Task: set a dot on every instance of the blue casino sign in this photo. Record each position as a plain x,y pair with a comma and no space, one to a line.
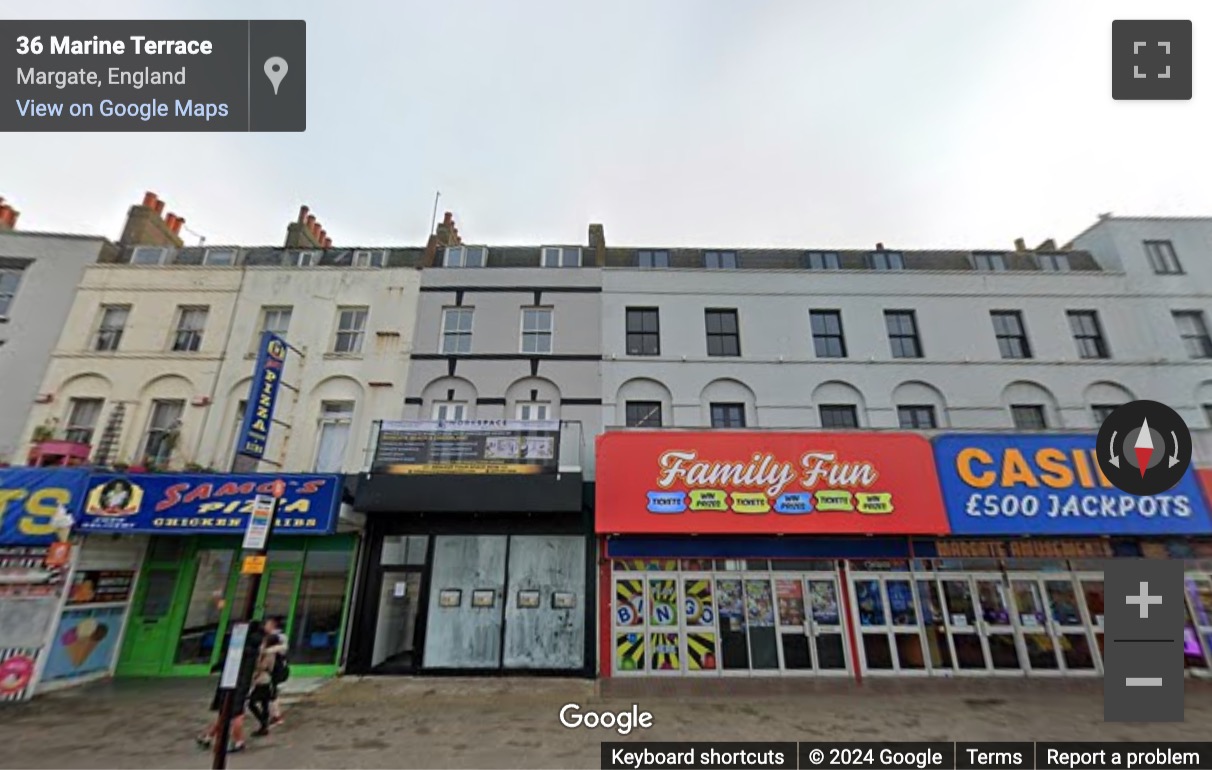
1015,484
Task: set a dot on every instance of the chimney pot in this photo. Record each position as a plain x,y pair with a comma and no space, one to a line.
303,213
322,235
12,218
149,200
310,220
159,206
1020,244
180,222
170,219
879,247
328,243
448,219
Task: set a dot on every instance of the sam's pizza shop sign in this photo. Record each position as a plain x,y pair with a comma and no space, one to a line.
207,504
1003,484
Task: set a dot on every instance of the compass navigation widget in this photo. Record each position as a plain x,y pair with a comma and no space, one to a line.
1144,448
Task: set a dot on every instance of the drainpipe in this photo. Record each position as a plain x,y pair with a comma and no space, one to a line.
214,385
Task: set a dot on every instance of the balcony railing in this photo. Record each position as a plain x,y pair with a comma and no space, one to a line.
61,449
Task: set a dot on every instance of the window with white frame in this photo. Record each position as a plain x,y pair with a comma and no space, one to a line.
989,261
163,428
1162,257
336,420
351,328
274,319
561,256
219,257
82,417
887,260
449,411
191,322
464,256
529,411
1054,263
111,327
456,329
302,258
9,281
366,258
536,329
148,255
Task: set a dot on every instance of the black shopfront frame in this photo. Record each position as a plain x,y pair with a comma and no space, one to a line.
382,523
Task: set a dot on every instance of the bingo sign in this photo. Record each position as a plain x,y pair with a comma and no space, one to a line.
1005,484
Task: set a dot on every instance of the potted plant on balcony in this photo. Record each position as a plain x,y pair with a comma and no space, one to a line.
45,431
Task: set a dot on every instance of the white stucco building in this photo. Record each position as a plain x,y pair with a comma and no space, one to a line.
155,359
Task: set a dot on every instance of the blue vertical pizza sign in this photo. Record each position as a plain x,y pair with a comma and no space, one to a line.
258,415
1041,484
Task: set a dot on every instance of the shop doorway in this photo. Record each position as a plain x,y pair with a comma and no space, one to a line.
190,587
703,617
1053,627
889,623
400,594
149,633
969,625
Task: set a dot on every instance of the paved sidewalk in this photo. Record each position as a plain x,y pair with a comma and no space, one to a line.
483,723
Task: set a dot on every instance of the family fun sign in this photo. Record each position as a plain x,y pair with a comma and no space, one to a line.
663,482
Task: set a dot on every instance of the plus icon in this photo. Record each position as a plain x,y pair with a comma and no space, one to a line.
1144,599
1151,59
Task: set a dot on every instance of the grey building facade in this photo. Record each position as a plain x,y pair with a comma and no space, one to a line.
501,563
39,273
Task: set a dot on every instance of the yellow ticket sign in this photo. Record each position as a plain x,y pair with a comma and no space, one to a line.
708,500
834,500
253,565
874,502
750,502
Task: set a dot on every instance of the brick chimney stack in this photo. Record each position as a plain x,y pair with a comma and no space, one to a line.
148,225
597,244
306,232
8,216
447,234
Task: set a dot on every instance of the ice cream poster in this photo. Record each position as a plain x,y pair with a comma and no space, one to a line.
85,643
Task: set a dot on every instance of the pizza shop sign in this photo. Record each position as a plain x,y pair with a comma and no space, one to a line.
766,482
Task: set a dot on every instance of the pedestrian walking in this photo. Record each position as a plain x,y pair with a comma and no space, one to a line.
279,646
254,641
262,683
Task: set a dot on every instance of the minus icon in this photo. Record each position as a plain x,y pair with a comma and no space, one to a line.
1143,681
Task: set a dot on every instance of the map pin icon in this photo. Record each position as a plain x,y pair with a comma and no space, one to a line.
275,70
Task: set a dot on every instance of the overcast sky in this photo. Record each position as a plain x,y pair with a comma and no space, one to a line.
805,123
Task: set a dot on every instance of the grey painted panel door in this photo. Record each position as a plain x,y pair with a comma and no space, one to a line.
466,635
545,636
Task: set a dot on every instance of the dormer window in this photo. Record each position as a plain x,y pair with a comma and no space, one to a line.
822,260
561,256
1054,263
464,256
219,257
377,258
887,260
652,258
720,260
990,262
148,255
302,258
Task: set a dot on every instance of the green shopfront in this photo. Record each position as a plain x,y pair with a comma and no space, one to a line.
192,581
